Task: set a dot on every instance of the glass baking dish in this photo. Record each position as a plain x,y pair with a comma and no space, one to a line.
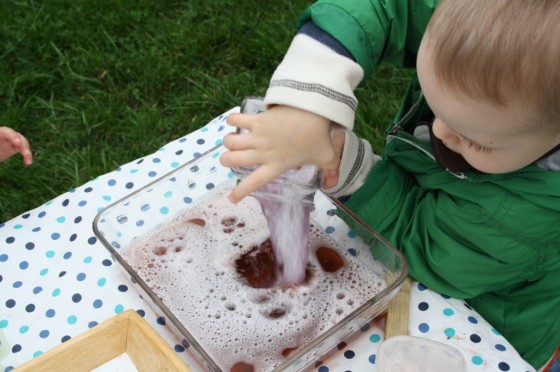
179,233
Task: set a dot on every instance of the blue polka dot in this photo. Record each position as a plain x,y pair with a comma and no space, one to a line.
17,284
448,312
476,360
3,257
97,303
152,174
140,223
503,366
67,255
209,186
352,234
44,333
88,189
72,319
423,327
187,200
50,313
36,229
129,185
23,265
473,320
179,348
92,324
55,236
200,141
372,358
92,240
37,290
42,214
10,240
475,338
500,347
330,229
82,203
111,182
80,277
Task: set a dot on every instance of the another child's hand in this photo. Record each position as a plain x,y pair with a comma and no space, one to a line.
11,143
279,139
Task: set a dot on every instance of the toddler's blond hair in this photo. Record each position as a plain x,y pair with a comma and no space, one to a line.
504,51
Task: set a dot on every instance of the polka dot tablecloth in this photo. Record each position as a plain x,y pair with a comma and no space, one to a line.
57,280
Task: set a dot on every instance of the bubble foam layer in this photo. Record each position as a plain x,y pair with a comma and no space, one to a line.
192,263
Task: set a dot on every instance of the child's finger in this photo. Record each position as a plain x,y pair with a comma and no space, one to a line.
243,121
24,149
254,181
243,158
237,141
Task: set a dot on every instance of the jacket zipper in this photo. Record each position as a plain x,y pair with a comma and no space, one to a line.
392,134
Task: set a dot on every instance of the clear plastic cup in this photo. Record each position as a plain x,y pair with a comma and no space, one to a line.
416,354
291,186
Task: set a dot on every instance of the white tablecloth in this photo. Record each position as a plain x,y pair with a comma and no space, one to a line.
57,280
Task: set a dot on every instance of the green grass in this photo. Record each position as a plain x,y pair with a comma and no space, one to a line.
95,84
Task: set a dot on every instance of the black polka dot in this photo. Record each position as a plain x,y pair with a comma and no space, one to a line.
10,303
30,308
475,338
78,219
65,202
106,262
92,240
123,288
65,338
29,246
88,189
61,274
161,320
16,348
76,297
423,306
503,366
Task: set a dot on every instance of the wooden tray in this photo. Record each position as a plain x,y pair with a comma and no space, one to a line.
127,333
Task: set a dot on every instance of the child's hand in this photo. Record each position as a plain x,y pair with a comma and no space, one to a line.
279,139
11,143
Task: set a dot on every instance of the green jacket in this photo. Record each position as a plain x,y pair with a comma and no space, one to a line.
493,240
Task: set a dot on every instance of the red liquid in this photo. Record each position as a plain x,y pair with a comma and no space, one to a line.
242,367
329,259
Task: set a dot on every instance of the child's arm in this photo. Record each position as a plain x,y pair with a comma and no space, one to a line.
11,143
